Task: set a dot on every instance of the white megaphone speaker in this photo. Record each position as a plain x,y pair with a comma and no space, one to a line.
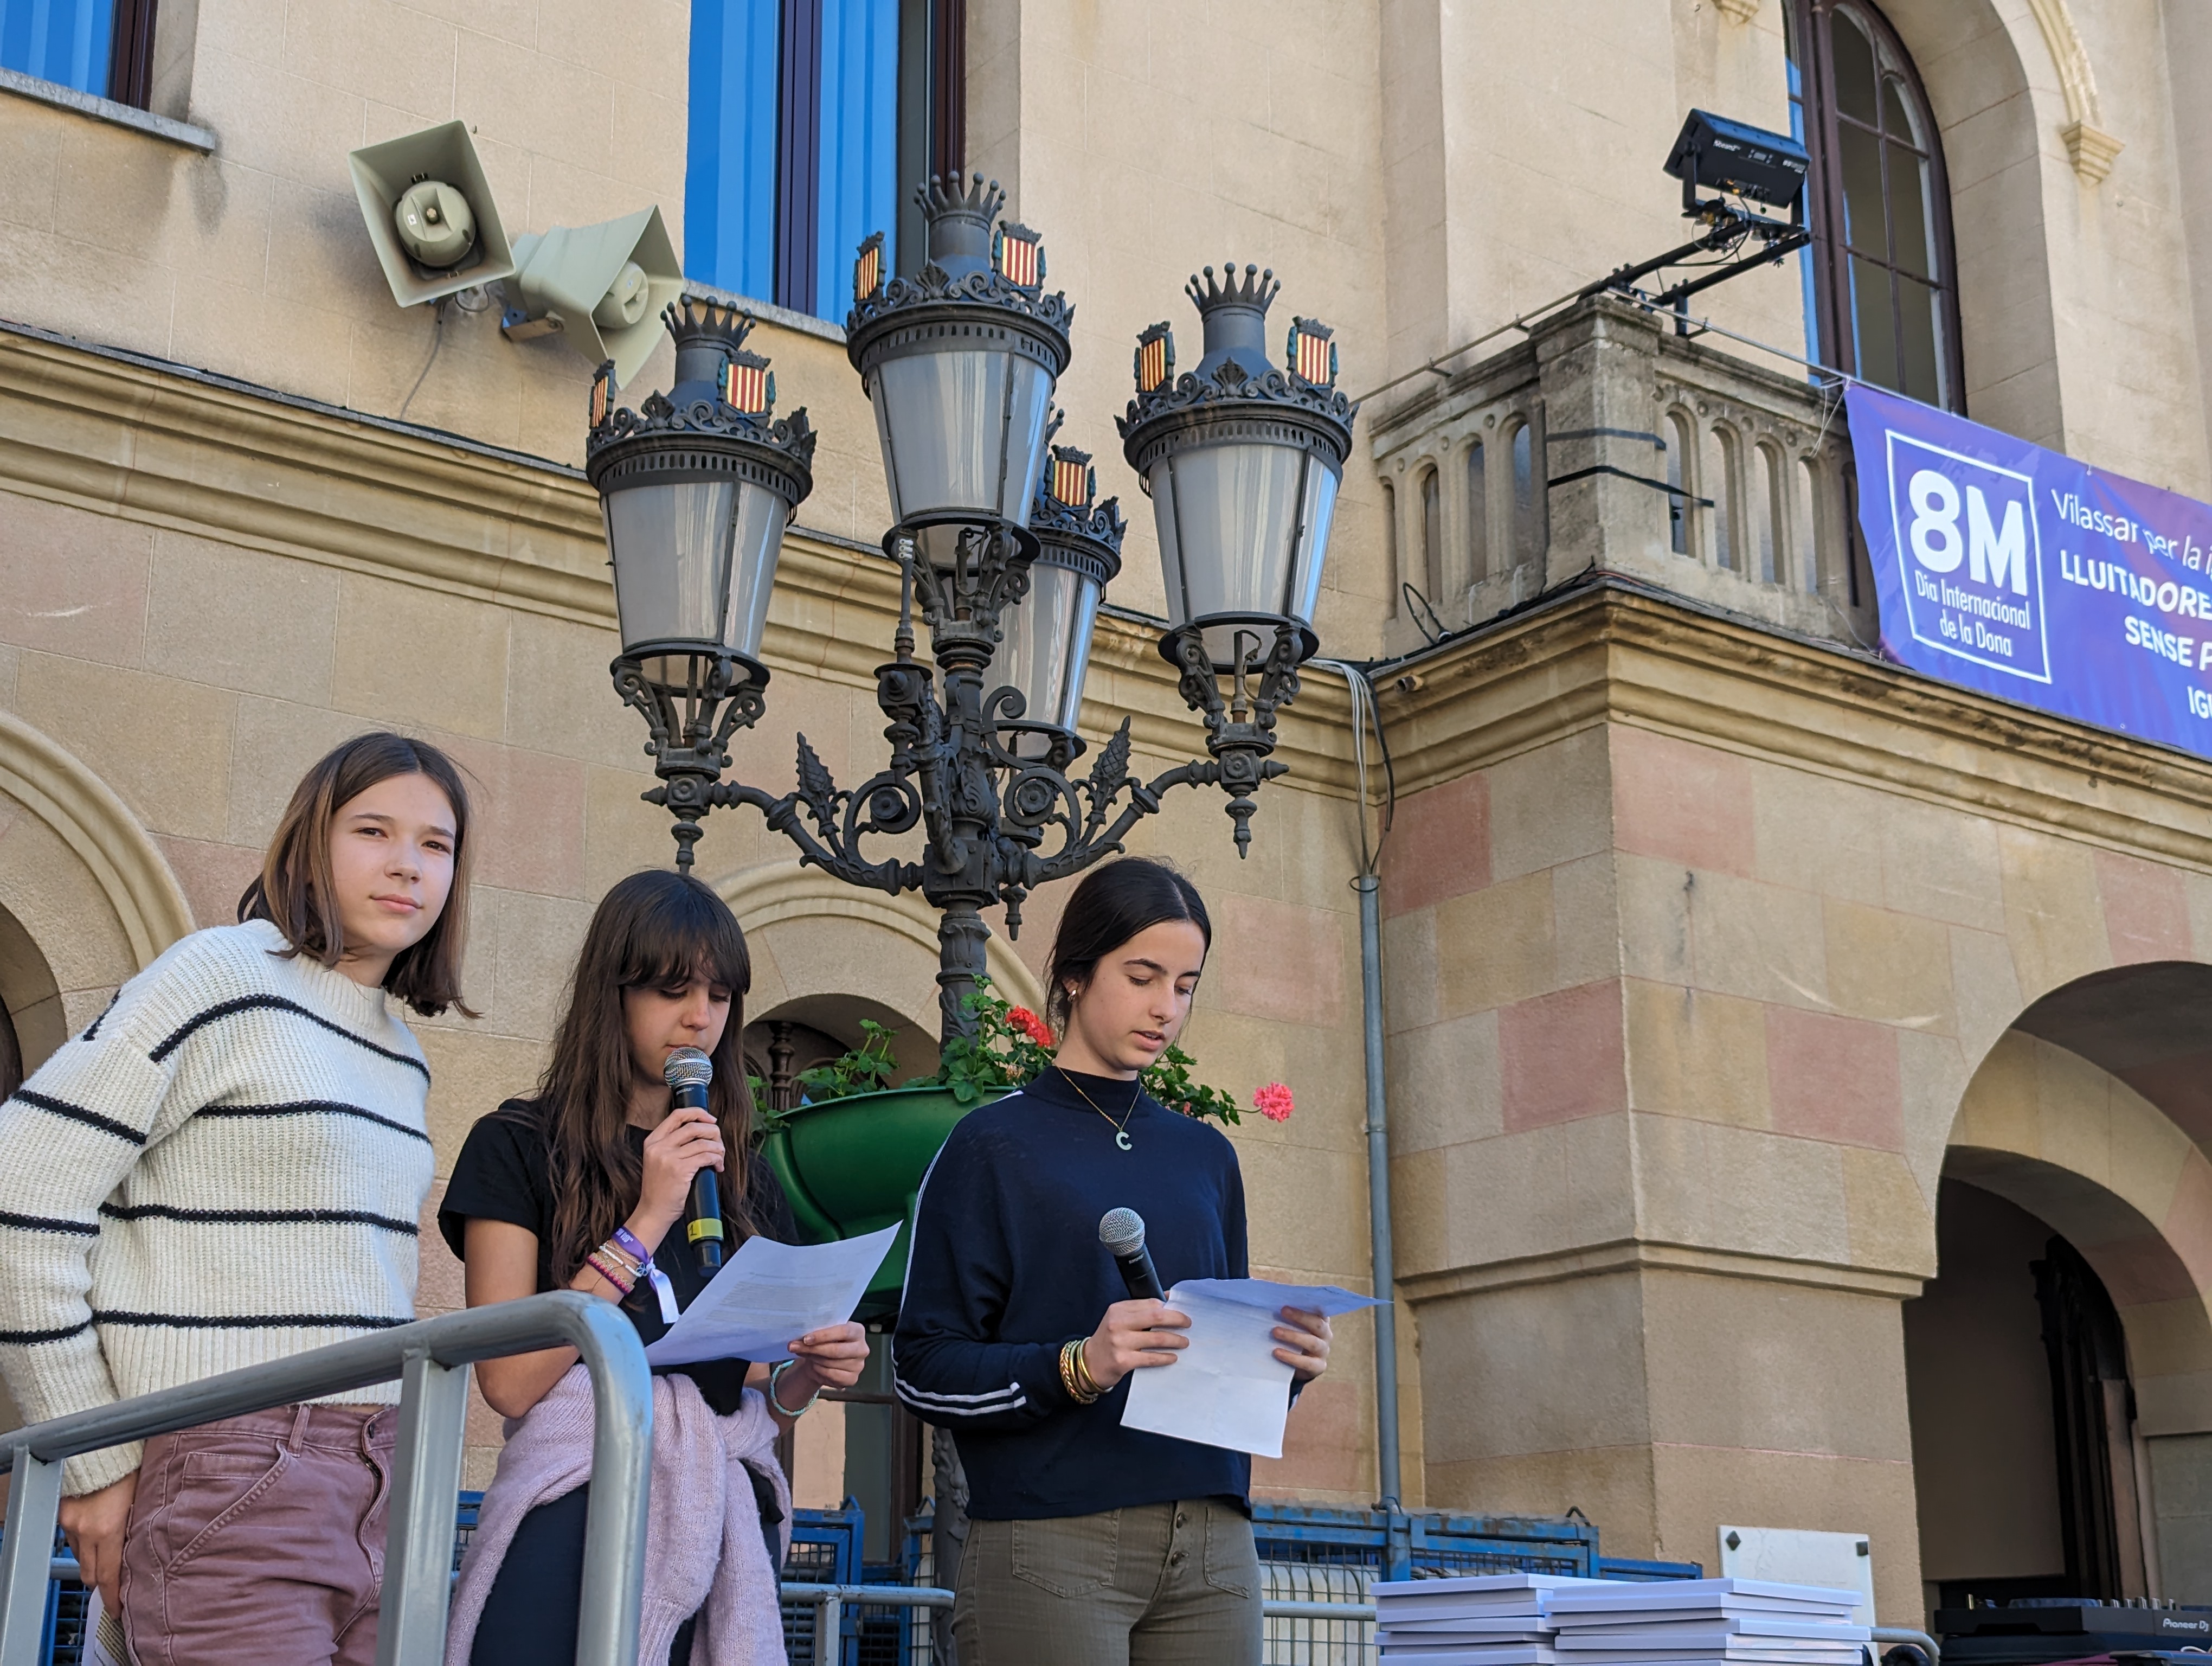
602,287
430,213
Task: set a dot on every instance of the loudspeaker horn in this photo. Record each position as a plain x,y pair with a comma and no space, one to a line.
430,213
602,287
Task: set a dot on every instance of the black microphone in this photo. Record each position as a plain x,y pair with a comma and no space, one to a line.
1123,1231
687,1071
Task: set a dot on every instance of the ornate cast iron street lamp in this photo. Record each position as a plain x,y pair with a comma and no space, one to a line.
1005,559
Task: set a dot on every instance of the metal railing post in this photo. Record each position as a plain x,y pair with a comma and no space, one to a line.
431,1356
829,1629
426,1483
34,1499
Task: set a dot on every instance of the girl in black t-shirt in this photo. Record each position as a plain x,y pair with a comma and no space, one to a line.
568,1189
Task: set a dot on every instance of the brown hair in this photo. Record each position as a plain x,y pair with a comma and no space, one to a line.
657,929
293,891
1112,905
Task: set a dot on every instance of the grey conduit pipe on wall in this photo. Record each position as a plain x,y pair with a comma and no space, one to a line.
1378,1125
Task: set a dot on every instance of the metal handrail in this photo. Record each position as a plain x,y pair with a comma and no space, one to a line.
431,1357
1905,1634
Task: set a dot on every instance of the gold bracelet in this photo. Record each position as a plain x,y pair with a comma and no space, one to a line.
1071,1357
1083,1371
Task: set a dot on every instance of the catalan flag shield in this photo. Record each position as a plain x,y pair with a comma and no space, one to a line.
603,394
1313,358
868,268
1072,480
745,385
1155,357
1018,252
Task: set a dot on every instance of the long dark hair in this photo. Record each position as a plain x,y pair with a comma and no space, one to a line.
293,891
653,930
1111,906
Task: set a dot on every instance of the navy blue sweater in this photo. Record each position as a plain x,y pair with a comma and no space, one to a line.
1006,1267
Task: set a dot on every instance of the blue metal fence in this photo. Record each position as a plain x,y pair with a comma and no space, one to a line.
1308,1553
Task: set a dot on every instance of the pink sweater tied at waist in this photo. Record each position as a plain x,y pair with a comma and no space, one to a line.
699,1464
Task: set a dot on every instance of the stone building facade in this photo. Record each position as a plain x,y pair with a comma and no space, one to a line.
1758,1013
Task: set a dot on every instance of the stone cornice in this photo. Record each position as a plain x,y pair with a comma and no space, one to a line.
1615,652
119,434
1635,1255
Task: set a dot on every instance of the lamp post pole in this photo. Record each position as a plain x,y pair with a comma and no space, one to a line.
1002,550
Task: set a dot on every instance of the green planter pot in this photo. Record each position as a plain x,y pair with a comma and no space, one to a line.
854,1166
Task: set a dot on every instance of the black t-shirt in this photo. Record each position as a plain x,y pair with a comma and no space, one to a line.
501,1175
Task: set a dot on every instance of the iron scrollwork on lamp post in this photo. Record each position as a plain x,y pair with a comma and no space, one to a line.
1002,549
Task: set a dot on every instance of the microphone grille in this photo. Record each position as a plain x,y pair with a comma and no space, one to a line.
687,1067
1121,1230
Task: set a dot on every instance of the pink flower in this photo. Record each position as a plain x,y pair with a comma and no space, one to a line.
1273,1102
1029,1024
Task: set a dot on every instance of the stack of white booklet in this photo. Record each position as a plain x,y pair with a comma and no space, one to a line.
1487,1619
1705,1622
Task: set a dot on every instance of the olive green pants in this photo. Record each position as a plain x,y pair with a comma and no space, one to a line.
1155,1585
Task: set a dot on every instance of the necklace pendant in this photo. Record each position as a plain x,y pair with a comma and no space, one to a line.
1121,1139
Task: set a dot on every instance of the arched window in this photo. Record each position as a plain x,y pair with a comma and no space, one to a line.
1433,536
1728,499
1478,515
1681,454
1397,567
1885,292
1529,533
1771,508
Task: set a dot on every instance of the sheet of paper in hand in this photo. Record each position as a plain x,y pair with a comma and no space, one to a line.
1227,1389
769,1295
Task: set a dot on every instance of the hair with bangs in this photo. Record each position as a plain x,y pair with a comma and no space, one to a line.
295,890
654,930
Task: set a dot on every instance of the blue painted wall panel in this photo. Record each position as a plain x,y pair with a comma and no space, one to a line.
859,175
729,183
65,41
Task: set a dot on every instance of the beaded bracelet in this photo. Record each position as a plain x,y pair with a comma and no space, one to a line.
629,1243
775,1377
604,1265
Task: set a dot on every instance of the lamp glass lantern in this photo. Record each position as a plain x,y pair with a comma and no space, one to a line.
1243,463
1045,652
959,363
697,497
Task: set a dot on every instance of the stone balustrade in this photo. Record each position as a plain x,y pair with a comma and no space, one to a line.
1606,441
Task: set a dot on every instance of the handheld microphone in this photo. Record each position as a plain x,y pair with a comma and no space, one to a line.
687,1071
1123,1231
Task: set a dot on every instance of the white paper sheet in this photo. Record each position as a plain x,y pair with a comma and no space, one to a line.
1227,1389
769,1295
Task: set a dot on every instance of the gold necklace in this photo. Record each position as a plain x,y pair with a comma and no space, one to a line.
1120,1128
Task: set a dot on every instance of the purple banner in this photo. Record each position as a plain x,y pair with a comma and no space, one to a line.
2011,570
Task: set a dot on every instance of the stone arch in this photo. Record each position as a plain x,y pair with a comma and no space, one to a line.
813,935
87,899
2050,1125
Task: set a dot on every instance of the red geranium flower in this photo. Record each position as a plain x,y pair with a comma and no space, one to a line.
1029,1024
1273,1102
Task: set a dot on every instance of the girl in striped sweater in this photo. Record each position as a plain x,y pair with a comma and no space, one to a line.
228,1166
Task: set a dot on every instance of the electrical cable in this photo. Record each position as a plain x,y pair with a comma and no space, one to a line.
437,341
1365,715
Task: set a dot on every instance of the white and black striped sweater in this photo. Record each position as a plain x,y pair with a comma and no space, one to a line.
228,1166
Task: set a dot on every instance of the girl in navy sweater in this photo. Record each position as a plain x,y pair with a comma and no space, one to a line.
1091,1544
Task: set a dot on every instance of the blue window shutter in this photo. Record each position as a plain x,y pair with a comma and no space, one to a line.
64,41
729,182
858,155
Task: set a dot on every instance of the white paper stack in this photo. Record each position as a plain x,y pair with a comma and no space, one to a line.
1485,1620
1706,1622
